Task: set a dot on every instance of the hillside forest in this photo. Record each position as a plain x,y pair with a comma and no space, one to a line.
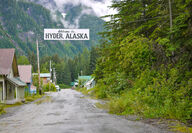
145,63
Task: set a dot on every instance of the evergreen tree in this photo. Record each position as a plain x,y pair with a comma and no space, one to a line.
23,60
93,59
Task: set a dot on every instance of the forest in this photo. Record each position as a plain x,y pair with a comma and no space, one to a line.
67,69
145,59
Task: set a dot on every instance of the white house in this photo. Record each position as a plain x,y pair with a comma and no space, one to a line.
90,84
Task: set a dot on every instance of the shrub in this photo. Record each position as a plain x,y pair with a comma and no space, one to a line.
155,97
49,87
64,86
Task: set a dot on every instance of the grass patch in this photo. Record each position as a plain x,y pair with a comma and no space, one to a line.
64,86
2,109
89,92
13,105
181,128
84,91
104,106
32,98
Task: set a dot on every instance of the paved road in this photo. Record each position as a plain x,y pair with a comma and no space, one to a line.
68,112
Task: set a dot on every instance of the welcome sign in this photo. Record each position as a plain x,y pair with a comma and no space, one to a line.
66,34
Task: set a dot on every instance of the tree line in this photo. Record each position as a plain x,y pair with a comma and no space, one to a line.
145,63
67,69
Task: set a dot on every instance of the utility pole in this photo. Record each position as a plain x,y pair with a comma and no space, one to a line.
50,70
54,76
38,67
81,72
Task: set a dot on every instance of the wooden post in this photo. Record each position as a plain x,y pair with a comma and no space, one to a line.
38,67
50,70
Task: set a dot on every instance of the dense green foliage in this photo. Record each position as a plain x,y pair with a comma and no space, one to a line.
36,81
68,69
63,86
49,87
23,60
145,66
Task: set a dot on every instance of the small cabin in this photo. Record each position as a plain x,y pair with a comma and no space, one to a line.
11,87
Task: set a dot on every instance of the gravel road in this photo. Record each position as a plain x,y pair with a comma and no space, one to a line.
68,111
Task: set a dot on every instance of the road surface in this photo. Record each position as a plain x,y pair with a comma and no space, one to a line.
68,112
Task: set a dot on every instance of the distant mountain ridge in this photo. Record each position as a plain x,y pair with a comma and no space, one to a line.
22,21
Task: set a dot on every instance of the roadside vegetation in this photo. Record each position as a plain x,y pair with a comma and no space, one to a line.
49,87
33,97
2,107
64,86
145,64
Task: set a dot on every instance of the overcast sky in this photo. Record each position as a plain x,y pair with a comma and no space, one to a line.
100,7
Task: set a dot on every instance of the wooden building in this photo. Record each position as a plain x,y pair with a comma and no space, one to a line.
11,87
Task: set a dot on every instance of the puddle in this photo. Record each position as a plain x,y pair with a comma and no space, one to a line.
53,124
55,114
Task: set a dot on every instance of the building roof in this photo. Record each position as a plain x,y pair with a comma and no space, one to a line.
85,77
6,60
25,73
16,81
43,75
90,81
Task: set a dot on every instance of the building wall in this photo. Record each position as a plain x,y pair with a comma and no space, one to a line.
10,91
2,89
20,93
45,81
11,74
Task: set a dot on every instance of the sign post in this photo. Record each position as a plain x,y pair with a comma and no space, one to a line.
66,34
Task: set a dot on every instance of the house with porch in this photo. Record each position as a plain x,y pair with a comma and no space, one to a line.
25,74
11,87
82,80
90,84
45,77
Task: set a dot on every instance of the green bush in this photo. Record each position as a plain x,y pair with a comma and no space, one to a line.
64,86
49,87
155,97
32,97
99,91
81,82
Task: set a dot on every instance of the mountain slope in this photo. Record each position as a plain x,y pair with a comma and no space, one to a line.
21,22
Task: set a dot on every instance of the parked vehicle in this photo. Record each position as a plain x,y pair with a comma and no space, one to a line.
58,88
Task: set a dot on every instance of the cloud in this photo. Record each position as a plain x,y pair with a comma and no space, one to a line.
101,8
97,7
